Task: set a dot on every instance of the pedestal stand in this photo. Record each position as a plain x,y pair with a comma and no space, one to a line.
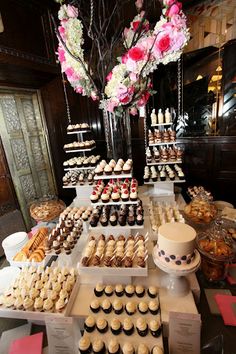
175,282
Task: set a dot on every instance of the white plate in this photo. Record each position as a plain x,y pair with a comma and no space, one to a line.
7,277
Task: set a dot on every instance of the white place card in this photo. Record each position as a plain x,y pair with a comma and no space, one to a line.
62,335
184,333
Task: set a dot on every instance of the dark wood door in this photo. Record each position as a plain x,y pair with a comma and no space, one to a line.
8,201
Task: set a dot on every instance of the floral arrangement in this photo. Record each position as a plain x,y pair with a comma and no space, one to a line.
128,83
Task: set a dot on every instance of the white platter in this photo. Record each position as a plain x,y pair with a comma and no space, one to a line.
113,176
28,264
169,143
166,181
117,227
164,163
115,203
86,184
79,131
80,150
112,271
79,168
160,124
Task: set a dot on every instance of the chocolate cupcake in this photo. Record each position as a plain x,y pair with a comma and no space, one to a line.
106,306
116,326
85,345
99,289
117,307
95,306
139,219
152,291
108,290
154,306
131,220
102,325
89,324
139,290
142,349
128,326
129,290
113,219
98,347
155,328
104,220
142,327
122,220
130,308
113,347
143,307
119,290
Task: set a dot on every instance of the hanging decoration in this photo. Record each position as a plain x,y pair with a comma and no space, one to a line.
127,85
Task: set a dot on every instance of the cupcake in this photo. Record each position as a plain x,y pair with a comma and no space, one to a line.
113,347
128,348
117,170
142,349
113,219
152,291
106,306
94,197
108,290
102,325
139,219
98,290
60,304
154,306
130,308
119,290
129,290
108,170
133,195
18,304
117,307
115,196
48,305
115,326
139,290
98,347
84,345
155,328
125,195
142,327
143,307
157,350
89,324
95,306
128,326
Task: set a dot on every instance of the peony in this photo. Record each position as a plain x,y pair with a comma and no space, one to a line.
163,43
178,41
109,76
136,54
124,58
174,9
72,11
133,76
168,2
112,104
69,72
131,65
94,96
143,99
178,21
61,55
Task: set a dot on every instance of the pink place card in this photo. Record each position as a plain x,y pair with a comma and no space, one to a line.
27,345
227,306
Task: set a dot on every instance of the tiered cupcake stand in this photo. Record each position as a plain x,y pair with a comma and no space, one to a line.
163,188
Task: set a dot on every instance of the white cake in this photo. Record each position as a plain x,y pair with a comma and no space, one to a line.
176,243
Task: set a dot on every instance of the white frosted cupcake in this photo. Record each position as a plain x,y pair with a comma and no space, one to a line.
129,290
116,326
142,349
128,348
106,306
113,347
89,324
18,304
154,306
139,290
130,308
60,305
102,325
128,326
98,347
152,291
142,327
38,304
155,328
157,350
117,307
98,290
84,345
48,305
143,307
28,304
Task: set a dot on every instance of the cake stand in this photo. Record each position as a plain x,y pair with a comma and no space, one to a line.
175,280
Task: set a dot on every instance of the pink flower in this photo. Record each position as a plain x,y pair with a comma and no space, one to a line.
136,54
163,43
133,111
139,4
111,105
143,99
72,11
135,25
94,96
109,76
69,72
168,2
174,9
61,30
133,76
131,65
79,89
178,21
61,55
177,41
124,58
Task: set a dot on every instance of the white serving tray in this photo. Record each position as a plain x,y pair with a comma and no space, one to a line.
166,181
160,124
164,163
169,143
79,168
111,271
79,131
29,263
113,176
117,227
86,184
80,150
41,316
115,203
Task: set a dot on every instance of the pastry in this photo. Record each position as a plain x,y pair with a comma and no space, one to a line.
155,328
129,290
108,290
142,327
89,324
98,347
143,307
139,290
154,306
98,290
102,325
128,326
60,304
48,305
95,306
119,290
115,326
113,347
18,304
142,349
117,307
106,306
84,345
152,291
130,308
128,348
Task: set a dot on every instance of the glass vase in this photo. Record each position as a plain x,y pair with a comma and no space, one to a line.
117,134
